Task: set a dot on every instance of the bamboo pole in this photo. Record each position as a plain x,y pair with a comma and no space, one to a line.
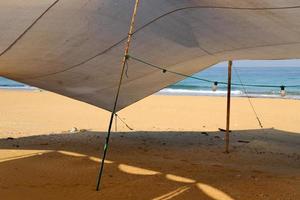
228,107
124,60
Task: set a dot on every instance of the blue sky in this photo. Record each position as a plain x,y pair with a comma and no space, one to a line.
263,63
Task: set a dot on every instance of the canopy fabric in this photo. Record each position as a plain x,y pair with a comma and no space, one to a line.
75,47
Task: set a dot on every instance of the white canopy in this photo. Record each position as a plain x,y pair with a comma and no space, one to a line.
75,47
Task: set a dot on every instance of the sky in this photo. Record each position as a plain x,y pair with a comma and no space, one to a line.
263,63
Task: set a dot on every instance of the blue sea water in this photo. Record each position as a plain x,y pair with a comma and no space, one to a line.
10,84
263,72
250,72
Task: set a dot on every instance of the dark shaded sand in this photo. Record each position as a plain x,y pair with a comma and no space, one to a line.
152,165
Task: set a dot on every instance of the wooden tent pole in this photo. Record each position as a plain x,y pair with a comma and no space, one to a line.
228,107
125,57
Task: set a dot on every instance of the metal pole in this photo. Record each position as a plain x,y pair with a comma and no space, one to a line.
228,107
125,57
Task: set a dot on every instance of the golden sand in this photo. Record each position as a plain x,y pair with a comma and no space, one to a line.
174,152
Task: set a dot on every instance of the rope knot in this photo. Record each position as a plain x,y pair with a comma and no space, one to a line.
127,57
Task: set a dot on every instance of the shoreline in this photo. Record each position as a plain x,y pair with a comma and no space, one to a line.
191,94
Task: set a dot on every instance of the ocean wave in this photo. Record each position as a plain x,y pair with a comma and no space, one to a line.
17,87
235,93
197,92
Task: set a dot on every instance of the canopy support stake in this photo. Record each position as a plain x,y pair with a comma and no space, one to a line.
125,57
228,107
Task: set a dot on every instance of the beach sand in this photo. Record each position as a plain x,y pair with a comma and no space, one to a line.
174,151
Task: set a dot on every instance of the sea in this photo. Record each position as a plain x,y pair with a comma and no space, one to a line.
13,85
271,73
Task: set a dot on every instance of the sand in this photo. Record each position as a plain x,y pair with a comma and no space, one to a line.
174,151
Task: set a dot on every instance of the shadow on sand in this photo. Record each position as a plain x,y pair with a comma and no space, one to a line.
263,164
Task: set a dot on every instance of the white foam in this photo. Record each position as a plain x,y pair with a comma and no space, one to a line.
25,87
170,91
237,93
